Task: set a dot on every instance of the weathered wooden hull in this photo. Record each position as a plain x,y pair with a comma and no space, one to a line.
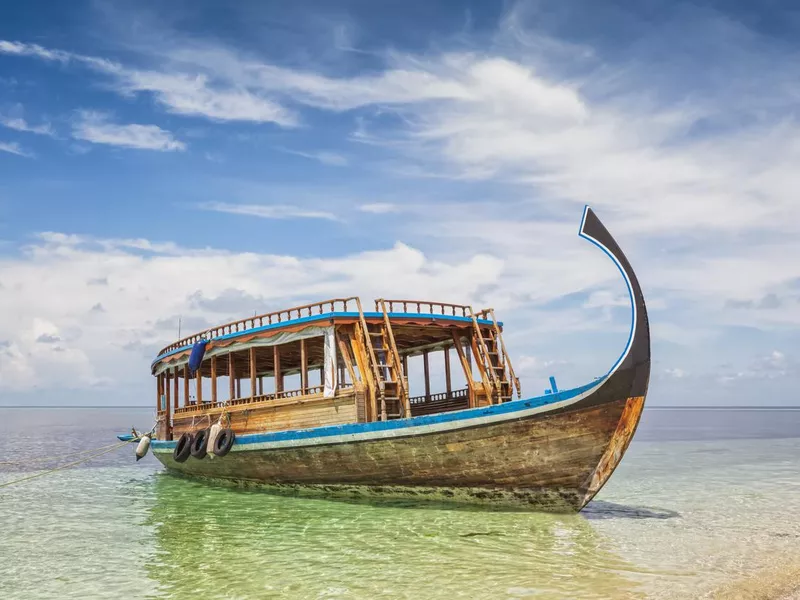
543,462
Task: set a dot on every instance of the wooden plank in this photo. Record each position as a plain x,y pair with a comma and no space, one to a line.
447,371
168,406
427,374
186,385
214,380
166,389
276,357
231,378
487,386
367,375
198,377
284,414
175,393
253,371
303,366
346,358
466,366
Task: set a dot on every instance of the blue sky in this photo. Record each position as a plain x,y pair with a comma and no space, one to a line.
205,160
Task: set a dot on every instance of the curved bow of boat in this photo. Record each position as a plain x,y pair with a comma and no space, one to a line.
632,369
627,381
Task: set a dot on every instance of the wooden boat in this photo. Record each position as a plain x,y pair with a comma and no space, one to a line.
360,433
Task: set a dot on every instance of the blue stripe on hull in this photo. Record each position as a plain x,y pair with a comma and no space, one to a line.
507,408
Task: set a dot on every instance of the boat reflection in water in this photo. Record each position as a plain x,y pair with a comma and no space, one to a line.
216,542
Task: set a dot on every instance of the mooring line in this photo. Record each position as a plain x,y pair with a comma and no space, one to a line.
102,451
52,458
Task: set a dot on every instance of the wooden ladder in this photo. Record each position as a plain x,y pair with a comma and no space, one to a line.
386,366
493,355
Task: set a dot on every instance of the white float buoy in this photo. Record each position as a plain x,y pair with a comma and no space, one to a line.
143,447
212,438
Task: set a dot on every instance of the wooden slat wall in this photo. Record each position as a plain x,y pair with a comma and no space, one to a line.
316,412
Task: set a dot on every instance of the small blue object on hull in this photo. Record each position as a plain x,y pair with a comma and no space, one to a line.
196,357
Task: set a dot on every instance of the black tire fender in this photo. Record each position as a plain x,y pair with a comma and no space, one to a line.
199,444
183,448
224,442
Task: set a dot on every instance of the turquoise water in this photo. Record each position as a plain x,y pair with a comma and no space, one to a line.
702,498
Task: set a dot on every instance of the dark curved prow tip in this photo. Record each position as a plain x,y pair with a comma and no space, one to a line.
634,363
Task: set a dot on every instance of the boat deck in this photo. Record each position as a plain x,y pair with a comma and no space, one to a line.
362,358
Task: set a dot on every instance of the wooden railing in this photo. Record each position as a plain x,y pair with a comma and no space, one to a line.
442,397
309,391
423,307
297,312
318,308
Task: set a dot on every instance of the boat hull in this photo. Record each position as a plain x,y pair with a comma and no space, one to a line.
554,461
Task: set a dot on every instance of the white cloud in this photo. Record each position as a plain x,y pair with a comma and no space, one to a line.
331,159
19,124
14,148
675,373
194,95
269,211
379,208
90,312
775,365
96,128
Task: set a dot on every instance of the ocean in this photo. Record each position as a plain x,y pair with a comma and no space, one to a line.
706,503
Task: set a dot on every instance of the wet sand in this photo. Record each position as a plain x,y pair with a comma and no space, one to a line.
780,582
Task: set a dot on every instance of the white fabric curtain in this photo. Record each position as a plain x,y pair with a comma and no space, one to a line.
330,363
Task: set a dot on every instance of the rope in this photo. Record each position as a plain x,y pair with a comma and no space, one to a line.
51,458
66,466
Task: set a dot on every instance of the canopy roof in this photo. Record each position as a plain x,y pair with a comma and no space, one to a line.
417,325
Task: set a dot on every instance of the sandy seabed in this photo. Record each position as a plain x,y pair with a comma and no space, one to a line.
779,582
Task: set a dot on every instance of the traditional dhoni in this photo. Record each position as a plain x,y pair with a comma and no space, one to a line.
349,427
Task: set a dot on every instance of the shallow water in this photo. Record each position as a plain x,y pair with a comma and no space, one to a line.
701,498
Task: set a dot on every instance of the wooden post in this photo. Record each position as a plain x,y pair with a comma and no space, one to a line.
175,388
168,406
238,387
346,359
214,380
199,379
466,366
303,367
487,386
447,371
166,389
231,377
405,365
367,375
186,385
261,386
276,356
252,372
427,375
159,384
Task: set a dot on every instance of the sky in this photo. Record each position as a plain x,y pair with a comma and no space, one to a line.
204,161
